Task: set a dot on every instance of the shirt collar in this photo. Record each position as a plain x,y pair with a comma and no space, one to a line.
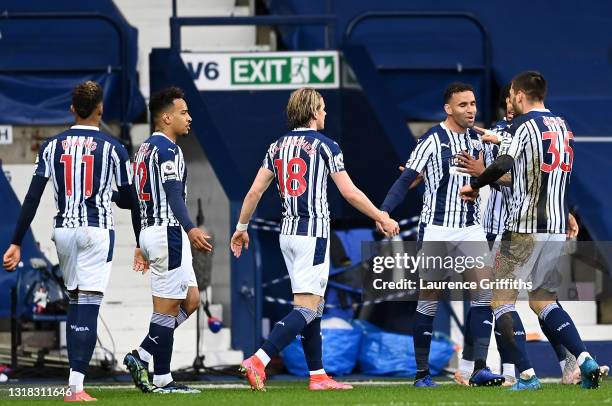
163,135
303,129
466,132
84,127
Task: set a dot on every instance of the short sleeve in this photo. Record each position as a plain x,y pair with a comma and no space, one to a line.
44,161
514,141
267,161
421,154
123,167
166,159
333,157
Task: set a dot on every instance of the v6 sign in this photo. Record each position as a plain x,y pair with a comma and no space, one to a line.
263,71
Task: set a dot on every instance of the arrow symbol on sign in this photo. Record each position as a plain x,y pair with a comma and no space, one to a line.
321,70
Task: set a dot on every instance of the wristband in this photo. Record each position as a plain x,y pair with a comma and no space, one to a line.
242,227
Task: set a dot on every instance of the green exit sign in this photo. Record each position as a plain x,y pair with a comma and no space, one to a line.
300,70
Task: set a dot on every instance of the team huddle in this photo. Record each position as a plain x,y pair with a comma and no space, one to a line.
526,159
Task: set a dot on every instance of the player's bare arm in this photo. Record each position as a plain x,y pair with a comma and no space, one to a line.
260,185
360,201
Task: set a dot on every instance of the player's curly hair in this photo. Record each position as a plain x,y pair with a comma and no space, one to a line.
302,106
164,99
532,83
85,98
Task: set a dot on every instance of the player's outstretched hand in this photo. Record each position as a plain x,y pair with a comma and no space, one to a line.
469,165
140,263
468,194
198,239
572,227
12,256
239,239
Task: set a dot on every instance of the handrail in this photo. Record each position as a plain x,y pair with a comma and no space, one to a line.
486,43
123,55
329,21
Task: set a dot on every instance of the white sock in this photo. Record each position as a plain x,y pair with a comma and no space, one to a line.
144,354
263,357
466,366
317,372
562,365
162,380
582,357
508,370
76,381
528,373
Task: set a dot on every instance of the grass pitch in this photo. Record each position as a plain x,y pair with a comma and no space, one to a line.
365,393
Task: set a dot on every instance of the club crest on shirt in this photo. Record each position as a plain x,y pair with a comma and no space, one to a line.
476,144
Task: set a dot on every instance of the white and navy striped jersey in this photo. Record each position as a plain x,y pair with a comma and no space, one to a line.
83,162
434,156
497,206
542,147
157,161
301,161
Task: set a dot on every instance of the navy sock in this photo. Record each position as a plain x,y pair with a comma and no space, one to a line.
313,345
84,331
468,342
312,341
422,331
561,326
287,329
503,352
512,336
71,320
481,324
559,349
159,342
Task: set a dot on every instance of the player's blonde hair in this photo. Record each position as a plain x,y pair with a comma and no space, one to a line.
302,106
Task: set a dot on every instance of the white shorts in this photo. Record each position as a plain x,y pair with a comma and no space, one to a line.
440,241
85,256
307,260
168,251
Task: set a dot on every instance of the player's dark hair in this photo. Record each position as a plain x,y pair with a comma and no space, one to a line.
163,100
302,106
531,83
85,98
456,87
503,95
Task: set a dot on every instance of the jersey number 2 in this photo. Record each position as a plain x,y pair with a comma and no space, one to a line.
88,160
286,186
556,154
